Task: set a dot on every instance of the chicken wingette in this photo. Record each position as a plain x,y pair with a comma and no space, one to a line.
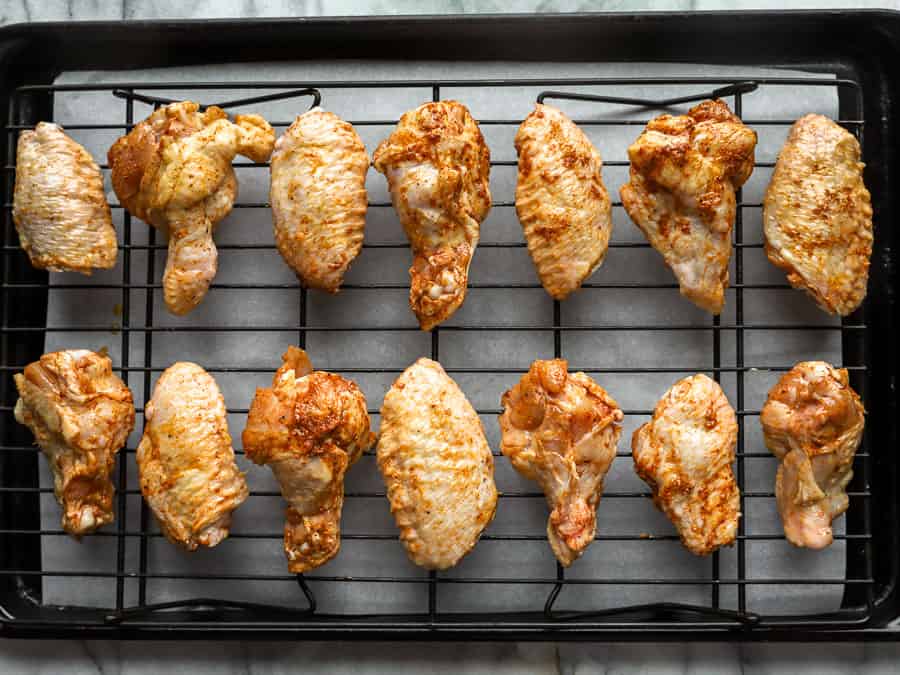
309,427
185,460
59,206
318,197
561,429
817,215
685,454
813,422
438,166
561,200
80,415
436,465
681,194
173,171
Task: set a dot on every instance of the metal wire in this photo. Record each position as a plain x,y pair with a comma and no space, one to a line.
24,485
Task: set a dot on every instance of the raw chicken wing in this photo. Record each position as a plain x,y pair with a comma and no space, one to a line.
817,215
318,197
173,171
561,429
309,427
80,415
681,194
685,455
561,200
437,466
813,422
437,165
59,206
187,471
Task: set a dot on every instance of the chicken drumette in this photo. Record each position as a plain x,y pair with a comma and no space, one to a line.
813,422
309,427
318,197
186,463
173,171
437,165
681,194
59,206
561,429
685,455
817,215
80,415
436,465
561,200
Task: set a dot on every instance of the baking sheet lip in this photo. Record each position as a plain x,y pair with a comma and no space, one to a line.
538,633
26,27
827,79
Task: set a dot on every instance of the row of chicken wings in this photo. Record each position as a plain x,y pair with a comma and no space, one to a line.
558,428
173,170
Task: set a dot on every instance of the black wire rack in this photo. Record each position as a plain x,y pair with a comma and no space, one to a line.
24,328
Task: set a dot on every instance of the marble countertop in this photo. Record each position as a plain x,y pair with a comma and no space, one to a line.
131,658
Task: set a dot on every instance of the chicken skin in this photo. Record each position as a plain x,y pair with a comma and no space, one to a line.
173,171
187,471
309,427
80,415
561,430
318,197
685,455
681,194
817,215
59,206
437,166
436,465
561,200
813,422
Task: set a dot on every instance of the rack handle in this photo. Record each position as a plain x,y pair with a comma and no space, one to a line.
745,619
161,100
728,90
214,605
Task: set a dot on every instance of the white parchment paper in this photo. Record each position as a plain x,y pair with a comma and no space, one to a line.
230,308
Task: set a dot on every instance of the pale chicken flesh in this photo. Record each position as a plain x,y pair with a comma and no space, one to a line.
813,422
437,166
685,454
59,206
681,194
436,465
173,171
318,197
80,415
561,430
185,460
817,214
309,427
561,201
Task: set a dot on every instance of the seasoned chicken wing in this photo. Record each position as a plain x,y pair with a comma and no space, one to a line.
817,215
813,422
173,171
437,466
318,197
59,206
561,200
80,415
561,429
186,463
681,194
309,427
685,455
437,166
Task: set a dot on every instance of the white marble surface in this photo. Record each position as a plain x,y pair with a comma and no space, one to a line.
77,657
